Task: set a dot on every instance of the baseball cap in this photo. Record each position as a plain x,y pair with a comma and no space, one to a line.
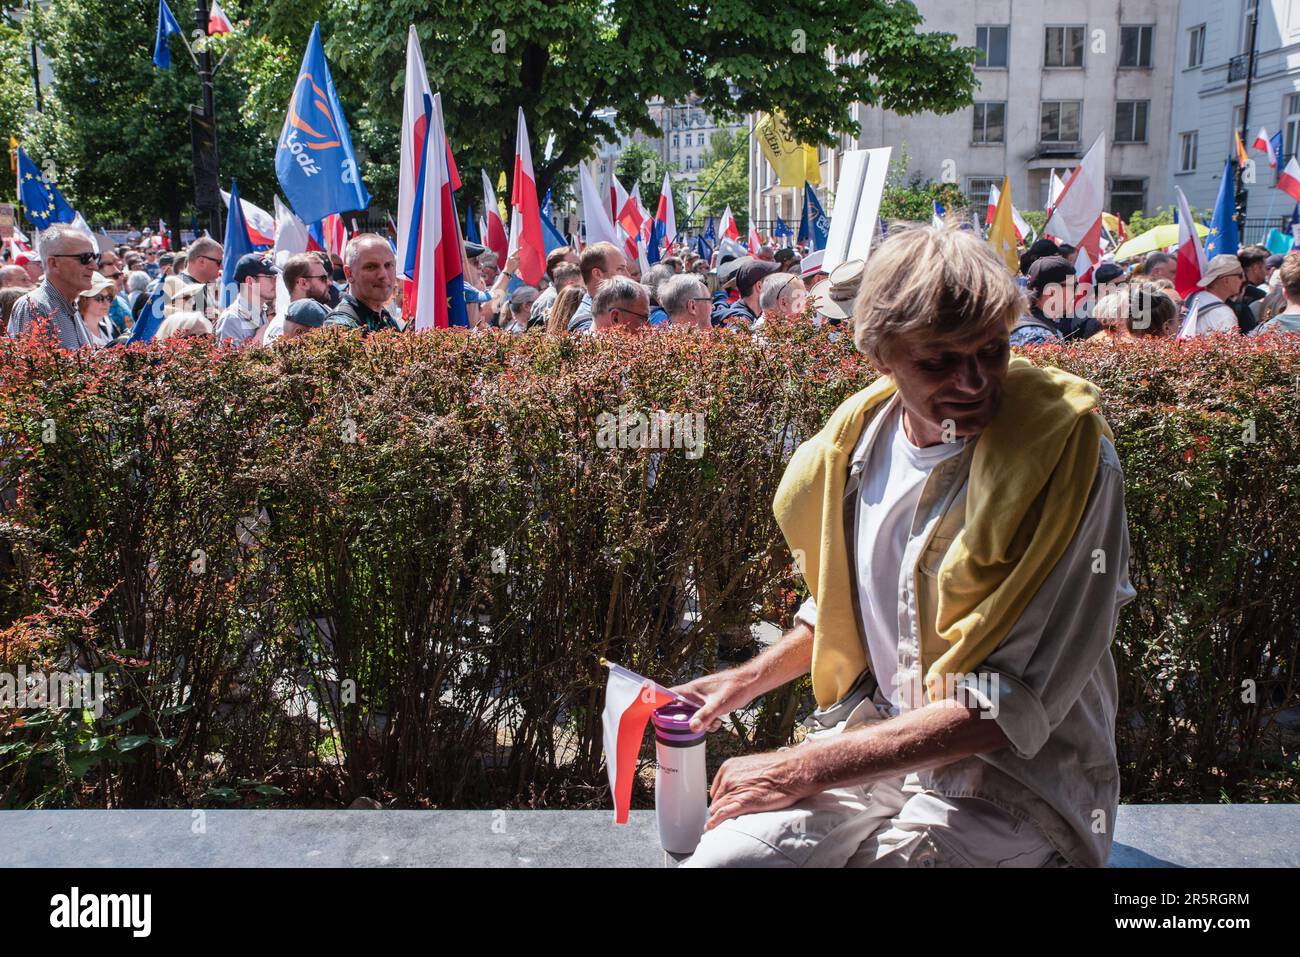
1108,272
1050,270
255,264
751,273
307,312
474,249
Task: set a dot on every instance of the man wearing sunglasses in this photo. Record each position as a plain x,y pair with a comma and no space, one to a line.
242,319
70,260
620,303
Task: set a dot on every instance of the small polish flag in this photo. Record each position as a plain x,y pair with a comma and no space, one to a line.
1265,145
495,236
1289,181
525,213
629,702
755,241
728,225
260,223
1189,262
666,215
218,22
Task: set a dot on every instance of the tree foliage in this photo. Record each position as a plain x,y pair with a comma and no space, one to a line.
17,96
563,62
732,178
639,165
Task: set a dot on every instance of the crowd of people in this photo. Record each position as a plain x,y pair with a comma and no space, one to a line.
92,299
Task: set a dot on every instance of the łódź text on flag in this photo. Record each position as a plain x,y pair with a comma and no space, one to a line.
236,246
629,702
167,25
495,236
1189,260
314,159
1222,237
42,202
525,215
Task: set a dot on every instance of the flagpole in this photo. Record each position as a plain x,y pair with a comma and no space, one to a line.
210,112
742,142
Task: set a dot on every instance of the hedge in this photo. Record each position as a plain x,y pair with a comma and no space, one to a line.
388,567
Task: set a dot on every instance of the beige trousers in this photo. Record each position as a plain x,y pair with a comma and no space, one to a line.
892,823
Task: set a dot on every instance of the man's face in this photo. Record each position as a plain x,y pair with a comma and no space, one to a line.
66,270
314,285
111,268
264,287
1255,273
948,389
632,317
373,274
615,265
1229,286
204,266
1166,270
699,307
571,257
793,298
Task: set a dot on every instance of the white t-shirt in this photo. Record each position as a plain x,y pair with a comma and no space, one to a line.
893,476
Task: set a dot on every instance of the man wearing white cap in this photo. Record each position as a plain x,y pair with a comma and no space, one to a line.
1221,281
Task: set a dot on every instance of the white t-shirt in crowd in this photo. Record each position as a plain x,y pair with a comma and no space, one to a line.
893,476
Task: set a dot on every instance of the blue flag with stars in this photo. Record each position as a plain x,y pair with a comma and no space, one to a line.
167,25
43,203
782,229
1222,237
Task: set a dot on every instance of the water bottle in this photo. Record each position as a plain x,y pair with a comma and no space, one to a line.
681,783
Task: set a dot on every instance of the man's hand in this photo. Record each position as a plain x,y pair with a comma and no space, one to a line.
717,695
757,782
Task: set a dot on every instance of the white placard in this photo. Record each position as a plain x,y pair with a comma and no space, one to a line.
857,205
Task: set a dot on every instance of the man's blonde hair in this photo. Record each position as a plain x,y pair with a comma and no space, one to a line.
934,282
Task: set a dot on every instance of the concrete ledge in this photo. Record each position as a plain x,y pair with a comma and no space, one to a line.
1195,835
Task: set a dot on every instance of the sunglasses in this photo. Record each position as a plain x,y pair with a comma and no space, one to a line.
84,258
210,258
102,297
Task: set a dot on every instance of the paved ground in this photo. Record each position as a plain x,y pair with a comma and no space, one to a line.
1205,835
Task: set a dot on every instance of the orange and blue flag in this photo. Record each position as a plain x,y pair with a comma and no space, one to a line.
315,161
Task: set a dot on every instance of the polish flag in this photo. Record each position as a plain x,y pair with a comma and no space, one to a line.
525,213
1022,227
1076,219
1289,181
290,231
636,222
261,224
1190,258
336,234
755,241
430,252
494,238
624,212
728,227
666,215
218,22
1265,145
629,702
600,228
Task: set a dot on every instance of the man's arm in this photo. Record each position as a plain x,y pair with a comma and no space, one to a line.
719,694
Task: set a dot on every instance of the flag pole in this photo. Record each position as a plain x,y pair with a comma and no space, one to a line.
210,112
743,142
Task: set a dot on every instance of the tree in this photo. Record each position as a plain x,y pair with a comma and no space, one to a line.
117,128
564,62
17,96
639,165
725,161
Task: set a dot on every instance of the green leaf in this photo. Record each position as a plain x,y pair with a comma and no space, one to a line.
97,743
131,742
165,742
175,709
269,789
124,717
223,794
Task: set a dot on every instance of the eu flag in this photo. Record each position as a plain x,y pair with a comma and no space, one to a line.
314,160
43,203
1222,237
781,229
167,25
814,227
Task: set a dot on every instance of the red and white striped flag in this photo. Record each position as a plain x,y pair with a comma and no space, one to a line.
728,227
495,236
629,702
1189,262
1076,219
1289,181
755,241
525,213
218,22
666,214
260,223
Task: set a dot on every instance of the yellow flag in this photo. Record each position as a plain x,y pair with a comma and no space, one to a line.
1002,234
789,157
812,167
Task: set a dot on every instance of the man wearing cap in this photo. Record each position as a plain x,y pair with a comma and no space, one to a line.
305,277
302,317
1048,290
243,320
371,271
750,276
1221,281
960,526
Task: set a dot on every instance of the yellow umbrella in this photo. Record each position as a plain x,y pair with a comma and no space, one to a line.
1153,239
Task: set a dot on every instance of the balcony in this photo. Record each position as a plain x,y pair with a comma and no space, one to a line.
1238,66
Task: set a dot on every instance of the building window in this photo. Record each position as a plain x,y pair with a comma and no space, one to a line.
1127,196
977,189
1290,138
1063,47
677,139
1131,121
1187,152
1248,8
992,44
1135,46
1060,121
1196,46
690,164
990,123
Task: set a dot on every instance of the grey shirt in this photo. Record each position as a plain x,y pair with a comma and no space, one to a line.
47,303
541,310
581,320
